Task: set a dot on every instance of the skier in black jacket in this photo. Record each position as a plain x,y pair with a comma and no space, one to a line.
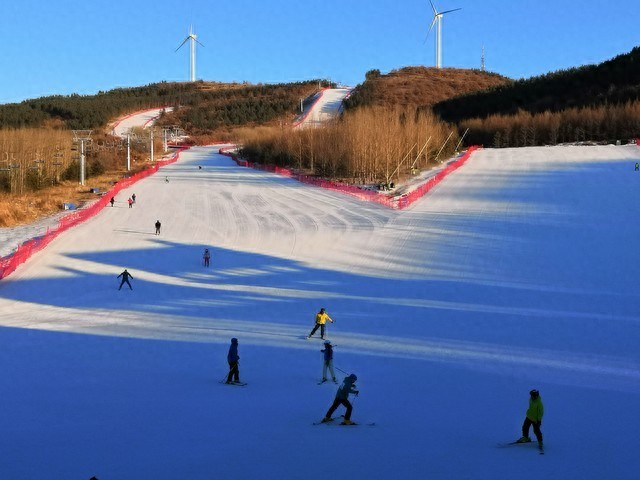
125,279
233,359
328,362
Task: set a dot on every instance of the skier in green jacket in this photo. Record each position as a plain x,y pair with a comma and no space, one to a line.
534,417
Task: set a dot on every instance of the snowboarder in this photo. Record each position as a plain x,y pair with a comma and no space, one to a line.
206,257
321,319
233,358
166,179
328,362
130,202
158,225
112,201
533,417
133,197
342,398
125,279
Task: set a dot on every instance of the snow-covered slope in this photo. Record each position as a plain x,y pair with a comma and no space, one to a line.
326,108
138,119
518,271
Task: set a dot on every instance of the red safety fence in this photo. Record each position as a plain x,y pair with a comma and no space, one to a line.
24,251
361,193
422,190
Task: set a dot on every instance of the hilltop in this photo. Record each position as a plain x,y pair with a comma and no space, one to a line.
421,86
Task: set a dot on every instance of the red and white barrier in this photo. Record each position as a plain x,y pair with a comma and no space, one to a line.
362,194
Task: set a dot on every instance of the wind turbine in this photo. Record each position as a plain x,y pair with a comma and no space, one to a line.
192,64
437,19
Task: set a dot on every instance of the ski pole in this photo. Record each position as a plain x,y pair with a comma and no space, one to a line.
340,370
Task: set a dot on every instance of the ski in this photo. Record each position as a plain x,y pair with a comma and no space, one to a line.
540,447
355,424
510,443
237,384
321,422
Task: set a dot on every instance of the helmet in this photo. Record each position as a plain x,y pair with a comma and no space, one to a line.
534,393
327,342
352,377
234,340
322,310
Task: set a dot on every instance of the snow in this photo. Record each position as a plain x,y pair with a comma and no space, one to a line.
518,271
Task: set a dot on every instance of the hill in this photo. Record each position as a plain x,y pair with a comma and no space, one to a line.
421,86
612,82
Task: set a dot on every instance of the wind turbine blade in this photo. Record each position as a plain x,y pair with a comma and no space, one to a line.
435,12
449,11
198,42
185,41
435,18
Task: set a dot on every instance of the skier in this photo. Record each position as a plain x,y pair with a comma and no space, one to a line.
321,319
328,362
637,166
533,417
233,358
130,202
158,225
166,179
342,398
133,197
125,279
112,201
206,257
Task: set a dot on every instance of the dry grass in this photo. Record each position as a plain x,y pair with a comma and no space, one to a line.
29,207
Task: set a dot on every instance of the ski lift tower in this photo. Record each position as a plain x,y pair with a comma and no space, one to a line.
82,137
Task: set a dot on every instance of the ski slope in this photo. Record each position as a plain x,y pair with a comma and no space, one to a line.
518,271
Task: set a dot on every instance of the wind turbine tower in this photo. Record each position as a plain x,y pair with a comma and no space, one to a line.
192,63
437,21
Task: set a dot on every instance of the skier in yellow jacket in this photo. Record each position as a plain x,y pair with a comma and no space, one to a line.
321,319
534,417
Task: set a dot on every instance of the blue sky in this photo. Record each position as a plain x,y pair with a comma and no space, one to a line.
69,46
